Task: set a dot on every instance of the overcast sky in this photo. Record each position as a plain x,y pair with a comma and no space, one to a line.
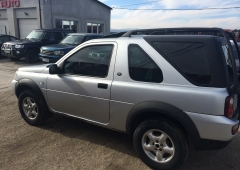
127,19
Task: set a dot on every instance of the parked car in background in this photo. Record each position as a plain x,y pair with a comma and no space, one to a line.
30,46
6,38
235,53
53,53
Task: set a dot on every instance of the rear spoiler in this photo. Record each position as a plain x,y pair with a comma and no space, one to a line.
197,31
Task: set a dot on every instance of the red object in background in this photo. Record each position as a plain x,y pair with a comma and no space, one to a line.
9,3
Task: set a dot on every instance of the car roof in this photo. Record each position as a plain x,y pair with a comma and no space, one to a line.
64,30
7,35
99,35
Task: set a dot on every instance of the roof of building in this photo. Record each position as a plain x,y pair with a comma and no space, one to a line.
103,4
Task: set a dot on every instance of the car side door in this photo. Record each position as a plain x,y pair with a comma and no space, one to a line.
83,89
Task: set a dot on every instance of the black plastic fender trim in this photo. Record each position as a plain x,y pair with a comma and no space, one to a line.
166,110
31,84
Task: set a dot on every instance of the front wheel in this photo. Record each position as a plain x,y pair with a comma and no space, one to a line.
32,56
32,109
160,144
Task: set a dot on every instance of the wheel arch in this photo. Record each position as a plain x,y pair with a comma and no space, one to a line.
35,48
25,84
160,110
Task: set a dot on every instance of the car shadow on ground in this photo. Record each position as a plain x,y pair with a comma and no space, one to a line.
75,128
78,129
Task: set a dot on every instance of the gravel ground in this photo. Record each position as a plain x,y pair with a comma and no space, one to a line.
67,143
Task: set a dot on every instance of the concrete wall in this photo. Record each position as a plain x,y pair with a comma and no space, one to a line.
82,11
13,13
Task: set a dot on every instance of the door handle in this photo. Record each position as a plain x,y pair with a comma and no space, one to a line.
102,86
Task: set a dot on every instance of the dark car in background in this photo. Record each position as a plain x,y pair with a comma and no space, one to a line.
5,38
235,53
30,46
53,53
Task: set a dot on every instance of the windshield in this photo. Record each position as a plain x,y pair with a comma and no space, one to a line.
73,39
35,35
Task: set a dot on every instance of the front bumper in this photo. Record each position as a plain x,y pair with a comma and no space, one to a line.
16,53
14,85
49,58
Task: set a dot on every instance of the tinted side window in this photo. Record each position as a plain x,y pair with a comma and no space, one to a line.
4,39
58,36
50,36
13,38
90,61
189,58
142,67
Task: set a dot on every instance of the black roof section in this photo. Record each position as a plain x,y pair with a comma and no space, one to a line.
103,4
195,31
177,31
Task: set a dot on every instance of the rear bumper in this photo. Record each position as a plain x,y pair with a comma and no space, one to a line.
213,127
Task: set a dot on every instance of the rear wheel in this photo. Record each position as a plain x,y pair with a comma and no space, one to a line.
33,110
160,144
32,56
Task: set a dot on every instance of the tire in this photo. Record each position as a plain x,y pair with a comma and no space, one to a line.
160,145
33,110
14,59
32,56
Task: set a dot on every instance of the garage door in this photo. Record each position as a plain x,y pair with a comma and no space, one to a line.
3,26
26,26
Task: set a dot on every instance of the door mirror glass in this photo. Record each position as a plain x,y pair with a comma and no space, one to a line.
54,69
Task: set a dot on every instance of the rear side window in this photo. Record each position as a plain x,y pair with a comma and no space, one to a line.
142,67
58,36
190,59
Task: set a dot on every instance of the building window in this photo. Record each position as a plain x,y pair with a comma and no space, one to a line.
95,28
64,24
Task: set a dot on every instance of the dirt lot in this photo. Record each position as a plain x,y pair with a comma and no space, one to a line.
66,143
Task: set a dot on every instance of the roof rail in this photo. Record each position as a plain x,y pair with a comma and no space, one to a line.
116,35
174,31
195,31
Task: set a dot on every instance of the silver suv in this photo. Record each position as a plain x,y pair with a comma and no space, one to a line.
165,90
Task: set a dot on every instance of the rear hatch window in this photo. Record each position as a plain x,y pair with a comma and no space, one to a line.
190,59
229,64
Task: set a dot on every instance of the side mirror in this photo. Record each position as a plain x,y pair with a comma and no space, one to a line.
54,69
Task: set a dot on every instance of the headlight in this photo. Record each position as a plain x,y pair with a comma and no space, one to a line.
59,52
19,46
41,50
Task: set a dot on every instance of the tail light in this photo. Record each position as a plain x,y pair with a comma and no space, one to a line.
235,129
229,107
